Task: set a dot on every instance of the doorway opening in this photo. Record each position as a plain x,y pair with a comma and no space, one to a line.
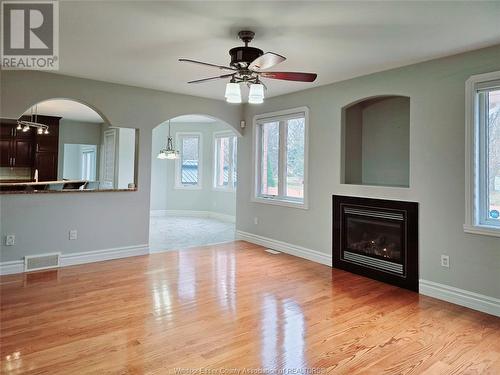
193,183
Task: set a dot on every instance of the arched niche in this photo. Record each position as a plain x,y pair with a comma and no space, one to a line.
376,141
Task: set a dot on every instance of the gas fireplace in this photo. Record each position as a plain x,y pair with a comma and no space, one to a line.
377,238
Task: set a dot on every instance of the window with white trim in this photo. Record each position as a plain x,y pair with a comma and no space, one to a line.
225,161
483,154
281,158
188,167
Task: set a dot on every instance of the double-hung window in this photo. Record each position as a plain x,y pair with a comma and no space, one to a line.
281,158
188,167
483,154
225,152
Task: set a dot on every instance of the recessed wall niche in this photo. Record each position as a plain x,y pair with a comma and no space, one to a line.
376,141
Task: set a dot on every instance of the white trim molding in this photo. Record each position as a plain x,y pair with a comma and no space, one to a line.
285,247
474,166
72,259
279,200
192,213
475,301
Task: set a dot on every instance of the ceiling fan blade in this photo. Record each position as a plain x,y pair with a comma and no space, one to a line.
211,78
207,64
266,61
290,76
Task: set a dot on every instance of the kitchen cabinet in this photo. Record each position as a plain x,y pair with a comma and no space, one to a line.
29,149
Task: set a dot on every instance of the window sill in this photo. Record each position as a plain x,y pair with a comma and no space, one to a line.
484,230
279,202
228,190
182,187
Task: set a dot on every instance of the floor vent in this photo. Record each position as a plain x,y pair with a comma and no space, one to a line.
274,252
41,262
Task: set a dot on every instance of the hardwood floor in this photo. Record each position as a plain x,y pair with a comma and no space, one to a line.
233,306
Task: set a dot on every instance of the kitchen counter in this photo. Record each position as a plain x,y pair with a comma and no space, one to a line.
66,186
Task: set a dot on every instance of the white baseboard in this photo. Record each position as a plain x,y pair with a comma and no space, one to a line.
443,292
72,259
156,213
460,297
8,268
286,247
211,214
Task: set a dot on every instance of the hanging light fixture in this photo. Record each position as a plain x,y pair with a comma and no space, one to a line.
233,92
169,152
256,94
33,123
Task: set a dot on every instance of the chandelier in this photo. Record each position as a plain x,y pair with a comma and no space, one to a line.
169,152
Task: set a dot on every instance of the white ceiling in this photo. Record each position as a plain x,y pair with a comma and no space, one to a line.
138,42
68,110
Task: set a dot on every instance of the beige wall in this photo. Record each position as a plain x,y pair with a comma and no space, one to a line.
104,220
437,173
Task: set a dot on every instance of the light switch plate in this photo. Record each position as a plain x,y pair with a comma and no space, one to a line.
73,234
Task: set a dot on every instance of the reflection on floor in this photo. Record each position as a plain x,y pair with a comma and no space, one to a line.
233,309
178,232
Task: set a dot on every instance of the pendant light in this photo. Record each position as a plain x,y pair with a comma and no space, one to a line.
169,152
33,123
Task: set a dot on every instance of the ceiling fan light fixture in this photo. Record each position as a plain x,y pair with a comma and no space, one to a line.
256,94
233,92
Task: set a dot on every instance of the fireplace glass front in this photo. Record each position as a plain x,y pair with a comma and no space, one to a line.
375,237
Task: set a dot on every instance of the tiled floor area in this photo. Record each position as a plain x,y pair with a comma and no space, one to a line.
178,232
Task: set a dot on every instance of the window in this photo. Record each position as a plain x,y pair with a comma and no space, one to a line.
281,158
483,154
188,171
225,161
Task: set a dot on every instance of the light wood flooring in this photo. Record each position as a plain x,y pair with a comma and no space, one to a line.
233,309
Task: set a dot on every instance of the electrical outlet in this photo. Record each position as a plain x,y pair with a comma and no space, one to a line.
256,220
73,234
10,240
445,261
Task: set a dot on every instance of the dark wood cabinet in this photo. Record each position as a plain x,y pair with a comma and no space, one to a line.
5,157
46,164
22,152
47,149
29,149
16,146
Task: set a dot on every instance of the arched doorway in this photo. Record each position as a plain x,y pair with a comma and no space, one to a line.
193,182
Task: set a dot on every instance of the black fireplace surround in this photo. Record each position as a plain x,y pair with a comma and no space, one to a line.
377,238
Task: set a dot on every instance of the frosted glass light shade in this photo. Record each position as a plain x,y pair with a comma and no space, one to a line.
233,92
256,95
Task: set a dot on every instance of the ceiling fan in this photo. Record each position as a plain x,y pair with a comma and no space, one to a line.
248,65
